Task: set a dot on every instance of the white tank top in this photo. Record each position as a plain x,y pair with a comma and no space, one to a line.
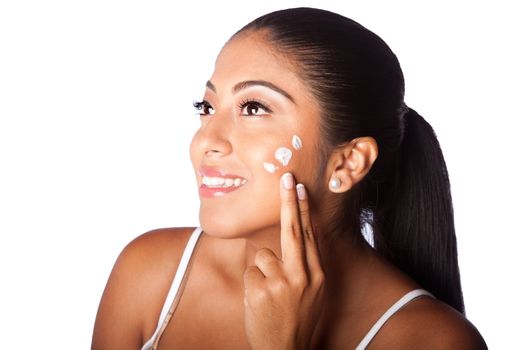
173,297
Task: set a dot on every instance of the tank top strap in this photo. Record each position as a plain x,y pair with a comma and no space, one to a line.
173,295
407,298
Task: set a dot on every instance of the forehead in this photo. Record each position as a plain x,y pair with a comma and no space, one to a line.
250,57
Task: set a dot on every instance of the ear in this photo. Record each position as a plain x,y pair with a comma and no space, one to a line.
350,163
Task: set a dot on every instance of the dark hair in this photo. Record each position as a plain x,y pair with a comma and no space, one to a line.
359,85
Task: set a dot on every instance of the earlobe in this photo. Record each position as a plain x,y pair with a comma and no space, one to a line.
340,183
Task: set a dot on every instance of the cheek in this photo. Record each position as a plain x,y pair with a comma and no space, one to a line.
283,155
269,163
272,159
261,158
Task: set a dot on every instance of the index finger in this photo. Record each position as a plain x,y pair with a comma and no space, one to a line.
292,241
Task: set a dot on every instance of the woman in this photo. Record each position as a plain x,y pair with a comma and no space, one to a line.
305,108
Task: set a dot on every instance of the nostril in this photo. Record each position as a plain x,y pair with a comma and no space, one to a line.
212,152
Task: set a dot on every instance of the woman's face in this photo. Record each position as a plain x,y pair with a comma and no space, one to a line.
258,121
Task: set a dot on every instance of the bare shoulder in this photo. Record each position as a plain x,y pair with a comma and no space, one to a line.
147,251
137,287
428,324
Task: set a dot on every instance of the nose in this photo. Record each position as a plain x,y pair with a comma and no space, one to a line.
213,137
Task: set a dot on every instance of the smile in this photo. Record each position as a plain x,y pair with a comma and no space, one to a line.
216,183
221,182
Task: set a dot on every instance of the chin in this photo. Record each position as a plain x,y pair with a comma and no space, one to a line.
220,226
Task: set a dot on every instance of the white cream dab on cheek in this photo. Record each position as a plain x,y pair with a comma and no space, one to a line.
297,142
269,167
283,155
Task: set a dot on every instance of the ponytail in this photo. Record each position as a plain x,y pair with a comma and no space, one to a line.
413,218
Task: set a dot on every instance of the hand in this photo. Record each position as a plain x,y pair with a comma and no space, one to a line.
283,297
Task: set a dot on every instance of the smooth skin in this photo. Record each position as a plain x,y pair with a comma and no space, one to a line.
267,276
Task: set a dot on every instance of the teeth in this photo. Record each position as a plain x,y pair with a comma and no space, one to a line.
222,182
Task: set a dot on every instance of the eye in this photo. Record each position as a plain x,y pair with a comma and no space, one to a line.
204,108
254,108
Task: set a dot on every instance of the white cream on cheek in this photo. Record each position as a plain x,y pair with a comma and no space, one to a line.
297,143
270,167
283,155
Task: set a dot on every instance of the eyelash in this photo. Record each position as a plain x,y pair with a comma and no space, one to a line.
254,103
200,106
204,105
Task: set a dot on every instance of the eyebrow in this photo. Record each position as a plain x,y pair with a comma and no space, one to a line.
247,83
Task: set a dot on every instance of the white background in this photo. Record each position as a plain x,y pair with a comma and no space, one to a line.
96,117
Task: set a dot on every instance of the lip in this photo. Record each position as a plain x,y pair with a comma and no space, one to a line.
214,172
213,192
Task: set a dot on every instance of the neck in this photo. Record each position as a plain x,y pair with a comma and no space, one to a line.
341,254
269,238
343,258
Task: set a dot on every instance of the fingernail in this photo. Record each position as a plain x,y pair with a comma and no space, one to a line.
301,193
287,181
